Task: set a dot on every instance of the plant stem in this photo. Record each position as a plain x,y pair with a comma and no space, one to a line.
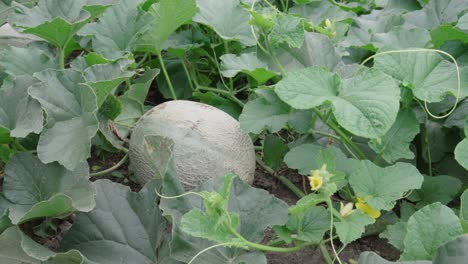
283,179
17,145
166,75
111,169
330,207
268,248
189,76
325,254
343,135
226,49
273,55
224,92
62,58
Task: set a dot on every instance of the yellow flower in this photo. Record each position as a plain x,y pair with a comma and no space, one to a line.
366,208
346,210
316,182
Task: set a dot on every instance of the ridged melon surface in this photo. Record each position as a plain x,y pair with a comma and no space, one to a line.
207,143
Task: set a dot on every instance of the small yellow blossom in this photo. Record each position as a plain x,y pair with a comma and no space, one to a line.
366,208
346,210
316,182
328,23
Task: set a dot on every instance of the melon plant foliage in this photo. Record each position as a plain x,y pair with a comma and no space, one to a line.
365,99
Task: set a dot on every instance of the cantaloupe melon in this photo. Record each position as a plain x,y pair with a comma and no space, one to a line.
207,143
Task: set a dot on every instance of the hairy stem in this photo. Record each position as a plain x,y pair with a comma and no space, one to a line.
166,75
283,179
111,169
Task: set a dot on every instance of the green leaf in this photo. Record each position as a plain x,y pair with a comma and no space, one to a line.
429,75
219,102
265,113
180,42
274,150
36,190
364,27
311,225
288,29
116,33
463,22
436,13
247,63
317,50
394,145
428,229
19,113
167,17
458,117
179,80
71,121
453,252
402,38
307,157
254,218
372,258
26,61
307,202
461,153
56,21
227,18
464,211
125,227
104,78
441,189
351,227
395,234
366,105
445,33
17,248
317,11
381,187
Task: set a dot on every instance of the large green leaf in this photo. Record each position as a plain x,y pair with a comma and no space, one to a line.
167,17
56,21
117,31
104,78
428,229
436,13
71,121
372,258
274,150
309,157
351,227
453,252
395,234
402,38
19,113
17,248
441,189
366,105
36,190
311,225
254,218
365,26
461,153
317,50
26,61
381,187
227,18
288,30
318,11
247,63
265,113
464,211
125,227
394,145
